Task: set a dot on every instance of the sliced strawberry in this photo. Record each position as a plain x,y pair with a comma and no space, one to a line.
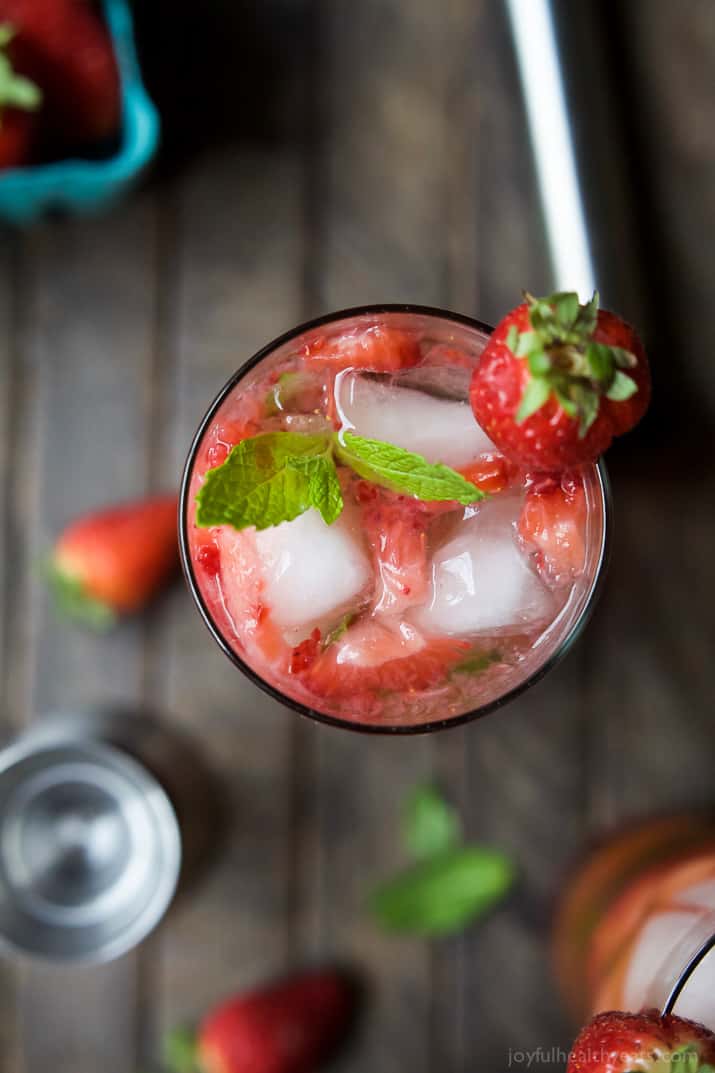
491,472
305,653
616,1042
553,524
242,607
396,529
373,656
113,561
378,348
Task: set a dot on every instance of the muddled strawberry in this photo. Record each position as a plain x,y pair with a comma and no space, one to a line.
372,656
552,524
378,348
396,531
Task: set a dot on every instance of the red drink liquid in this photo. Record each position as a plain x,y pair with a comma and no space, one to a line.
404,613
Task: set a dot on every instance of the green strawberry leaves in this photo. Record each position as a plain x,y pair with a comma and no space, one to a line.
15,91
73,602
276,476
450,884
565,361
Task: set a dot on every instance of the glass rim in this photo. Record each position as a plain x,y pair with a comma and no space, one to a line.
590,600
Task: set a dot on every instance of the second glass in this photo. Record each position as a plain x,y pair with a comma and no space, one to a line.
404,614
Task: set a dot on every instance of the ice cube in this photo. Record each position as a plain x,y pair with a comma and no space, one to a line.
442,430
480,581
312,570
651,955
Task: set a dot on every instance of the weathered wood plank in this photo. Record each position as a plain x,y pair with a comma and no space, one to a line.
236,283
651,746
8,401
87,351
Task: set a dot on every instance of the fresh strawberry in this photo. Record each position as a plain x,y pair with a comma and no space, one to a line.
558,380
553,523
378,348
289,1027
17,136
19,101
620,1042
395,527
374,657
64,47
112,561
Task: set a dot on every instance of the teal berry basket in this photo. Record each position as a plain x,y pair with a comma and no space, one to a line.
79,186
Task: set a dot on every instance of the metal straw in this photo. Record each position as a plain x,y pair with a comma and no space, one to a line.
550,131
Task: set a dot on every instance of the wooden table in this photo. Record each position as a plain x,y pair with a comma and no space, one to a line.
395,167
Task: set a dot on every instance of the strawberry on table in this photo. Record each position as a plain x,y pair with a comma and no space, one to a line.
288,1027
64,47
378,348
617,1042
112,561
558,380
19,101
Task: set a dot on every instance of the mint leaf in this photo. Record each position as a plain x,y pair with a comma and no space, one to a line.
269,479
443,894
430,824
512,337
478,662
622,387
535,395
338,631
392,467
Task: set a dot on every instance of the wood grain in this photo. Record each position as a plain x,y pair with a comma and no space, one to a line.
236,283
86,353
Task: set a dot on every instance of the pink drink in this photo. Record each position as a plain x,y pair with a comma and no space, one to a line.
402,614
635,914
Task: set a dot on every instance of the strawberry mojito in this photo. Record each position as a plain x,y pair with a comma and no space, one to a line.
635,914
361,529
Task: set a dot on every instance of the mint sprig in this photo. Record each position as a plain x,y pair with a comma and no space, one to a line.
450,885
564,360
276,476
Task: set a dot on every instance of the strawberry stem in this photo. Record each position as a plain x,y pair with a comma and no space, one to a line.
565,361
180,1051
72,601
15,90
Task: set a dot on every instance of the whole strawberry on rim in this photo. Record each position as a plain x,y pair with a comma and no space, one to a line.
650,1042
558,380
